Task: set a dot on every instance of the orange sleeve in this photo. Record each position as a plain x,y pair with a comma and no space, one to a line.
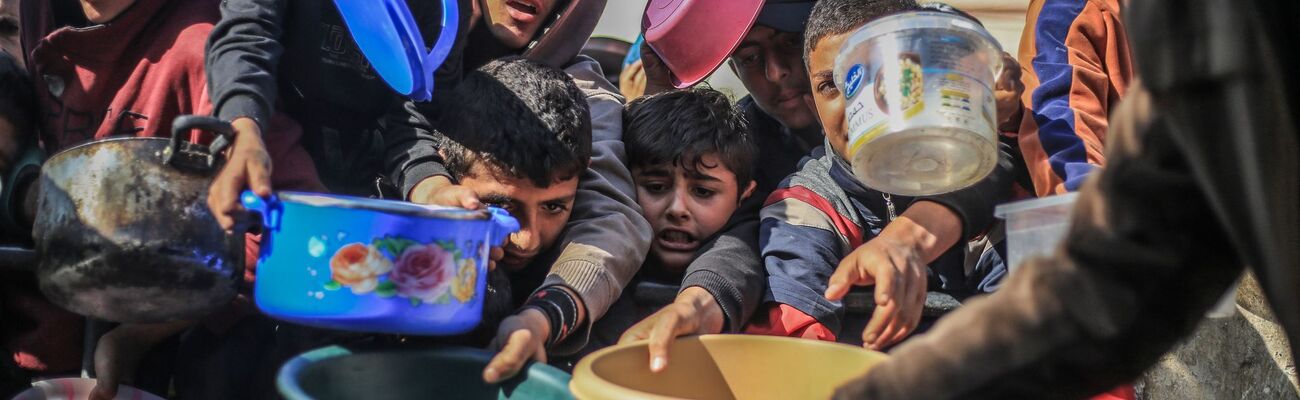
1075,64
785,320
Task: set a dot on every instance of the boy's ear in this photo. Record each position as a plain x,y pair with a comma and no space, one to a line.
748,191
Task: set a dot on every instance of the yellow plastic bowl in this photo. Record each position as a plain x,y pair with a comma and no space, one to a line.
741,367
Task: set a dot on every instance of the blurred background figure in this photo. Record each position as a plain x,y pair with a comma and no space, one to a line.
11,30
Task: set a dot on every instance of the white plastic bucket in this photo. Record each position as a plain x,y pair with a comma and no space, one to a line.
921,113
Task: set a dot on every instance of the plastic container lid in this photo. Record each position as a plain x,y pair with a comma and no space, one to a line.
389,37
1006,210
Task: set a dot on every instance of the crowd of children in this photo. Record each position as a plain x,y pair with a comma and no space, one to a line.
677,212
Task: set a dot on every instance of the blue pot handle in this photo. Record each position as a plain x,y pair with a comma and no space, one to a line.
502,226
442,48
270,208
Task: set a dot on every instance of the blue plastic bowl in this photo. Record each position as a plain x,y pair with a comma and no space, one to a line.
368,265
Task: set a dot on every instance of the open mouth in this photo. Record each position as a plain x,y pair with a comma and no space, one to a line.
677,240
522,10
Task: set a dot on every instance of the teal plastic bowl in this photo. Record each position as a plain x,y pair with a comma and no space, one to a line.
452,373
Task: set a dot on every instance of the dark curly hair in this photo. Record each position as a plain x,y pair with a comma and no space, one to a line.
517,117
681,126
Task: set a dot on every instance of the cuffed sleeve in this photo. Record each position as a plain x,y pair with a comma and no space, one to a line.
410,147
730,269
243,52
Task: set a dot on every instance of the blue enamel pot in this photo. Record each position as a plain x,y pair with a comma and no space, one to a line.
368,265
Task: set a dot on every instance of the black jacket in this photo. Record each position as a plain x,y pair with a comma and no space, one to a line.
299,55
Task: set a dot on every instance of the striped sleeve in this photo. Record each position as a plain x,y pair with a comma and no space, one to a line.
1075,60
803,239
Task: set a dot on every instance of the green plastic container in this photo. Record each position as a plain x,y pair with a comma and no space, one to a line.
447,373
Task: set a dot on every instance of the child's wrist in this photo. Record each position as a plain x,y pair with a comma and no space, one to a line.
706,309
560,310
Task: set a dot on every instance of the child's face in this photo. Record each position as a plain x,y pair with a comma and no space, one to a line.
515,22
542,212
686,207
770,64
826,95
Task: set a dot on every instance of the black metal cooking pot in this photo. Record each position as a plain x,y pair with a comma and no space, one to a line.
124,233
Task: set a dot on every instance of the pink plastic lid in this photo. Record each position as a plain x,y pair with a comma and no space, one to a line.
693,37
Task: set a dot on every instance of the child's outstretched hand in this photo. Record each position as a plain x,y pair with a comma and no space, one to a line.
1007,91
631,82
895,268
694,312
119,352
248,165
520,338
439,190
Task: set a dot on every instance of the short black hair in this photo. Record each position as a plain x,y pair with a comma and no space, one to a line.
681,126
17,97
834,17
520,117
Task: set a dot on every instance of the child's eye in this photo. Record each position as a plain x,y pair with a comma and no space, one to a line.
554,208
827,88
748,59
655,187
702,192
502,205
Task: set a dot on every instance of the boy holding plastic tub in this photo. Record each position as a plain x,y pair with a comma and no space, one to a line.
822,216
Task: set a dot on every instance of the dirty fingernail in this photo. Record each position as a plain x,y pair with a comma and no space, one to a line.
658,363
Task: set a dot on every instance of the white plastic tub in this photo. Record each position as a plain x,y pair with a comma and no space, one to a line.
1035,227
920,109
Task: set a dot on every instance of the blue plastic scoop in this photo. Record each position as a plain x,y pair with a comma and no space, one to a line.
389,37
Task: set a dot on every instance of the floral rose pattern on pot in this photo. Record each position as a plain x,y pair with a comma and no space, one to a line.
358,267
422,273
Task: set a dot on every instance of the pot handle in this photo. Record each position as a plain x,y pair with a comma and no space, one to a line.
503,224
271,209
181,153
